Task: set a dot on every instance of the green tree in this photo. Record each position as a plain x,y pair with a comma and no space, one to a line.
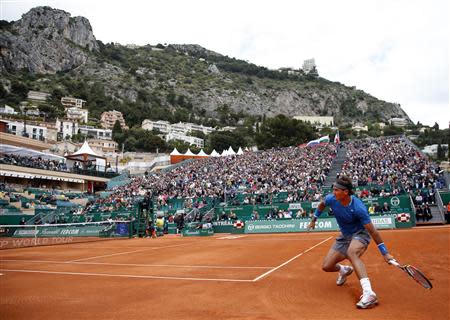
197,134
181,146
282,131
221,140
440,152
117,129
392,130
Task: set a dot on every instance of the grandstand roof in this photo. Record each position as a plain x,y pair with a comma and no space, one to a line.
22,151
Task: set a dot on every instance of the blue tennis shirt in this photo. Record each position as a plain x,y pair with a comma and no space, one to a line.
351,218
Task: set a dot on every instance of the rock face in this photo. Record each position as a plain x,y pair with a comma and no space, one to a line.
46,41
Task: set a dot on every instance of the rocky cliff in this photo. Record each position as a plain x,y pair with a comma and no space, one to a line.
46,40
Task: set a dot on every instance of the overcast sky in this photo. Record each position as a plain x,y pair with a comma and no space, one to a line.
395,50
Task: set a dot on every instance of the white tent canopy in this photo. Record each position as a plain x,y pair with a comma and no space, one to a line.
189,153
175,152
202,153
25,152
240,152
214,153
86,155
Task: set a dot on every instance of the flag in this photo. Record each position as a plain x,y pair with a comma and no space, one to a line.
337,139
324,139
312,143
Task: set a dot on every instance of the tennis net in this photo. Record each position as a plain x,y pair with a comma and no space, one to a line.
17,236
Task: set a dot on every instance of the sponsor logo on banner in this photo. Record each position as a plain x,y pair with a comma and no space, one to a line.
386,222
395,201
300,225
25,232
223,223
295,206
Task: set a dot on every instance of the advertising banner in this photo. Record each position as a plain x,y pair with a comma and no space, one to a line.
301,225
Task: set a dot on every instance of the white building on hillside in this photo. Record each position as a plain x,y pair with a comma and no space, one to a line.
33,131
189,139
181,127
7,110
69,102
162,126
38,96
317,120
96,133
398,122
66,128
308,65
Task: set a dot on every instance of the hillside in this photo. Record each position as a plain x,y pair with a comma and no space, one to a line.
48,50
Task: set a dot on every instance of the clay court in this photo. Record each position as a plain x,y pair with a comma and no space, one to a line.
272,276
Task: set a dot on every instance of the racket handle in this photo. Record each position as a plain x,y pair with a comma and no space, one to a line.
394,262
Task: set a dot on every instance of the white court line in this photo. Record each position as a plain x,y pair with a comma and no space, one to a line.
126,275
119,253
230,237
130,264
285,263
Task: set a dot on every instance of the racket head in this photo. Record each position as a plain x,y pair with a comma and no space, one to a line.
418,276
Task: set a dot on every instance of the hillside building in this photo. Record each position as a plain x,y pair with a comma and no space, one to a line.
109,118
308,65
317,120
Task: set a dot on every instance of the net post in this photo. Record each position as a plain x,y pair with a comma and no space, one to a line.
35,235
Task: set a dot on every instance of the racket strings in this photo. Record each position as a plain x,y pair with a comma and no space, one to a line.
418,276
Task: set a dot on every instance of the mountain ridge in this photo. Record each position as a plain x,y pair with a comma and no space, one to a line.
49,50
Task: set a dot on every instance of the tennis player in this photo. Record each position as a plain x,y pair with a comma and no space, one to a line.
356,231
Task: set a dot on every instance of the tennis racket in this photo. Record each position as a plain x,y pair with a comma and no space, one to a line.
414,273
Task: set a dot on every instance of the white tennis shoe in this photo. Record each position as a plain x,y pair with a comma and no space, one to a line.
368,300
343,276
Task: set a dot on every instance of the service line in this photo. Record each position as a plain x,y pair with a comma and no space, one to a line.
127,252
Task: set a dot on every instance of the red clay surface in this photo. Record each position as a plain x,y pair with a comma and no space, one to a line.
274,276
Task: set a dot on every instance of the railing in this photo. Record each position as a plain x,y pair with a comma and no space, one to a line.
440,205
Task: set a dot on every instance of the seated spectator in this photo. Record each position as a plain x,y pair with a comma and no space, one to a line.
447,216
386,208
364,193
300,213
377,208
419,214
427,212
371,209
418,199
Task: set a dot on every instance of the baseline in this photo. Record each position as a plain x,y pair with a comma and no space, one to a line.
131,264
126,275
